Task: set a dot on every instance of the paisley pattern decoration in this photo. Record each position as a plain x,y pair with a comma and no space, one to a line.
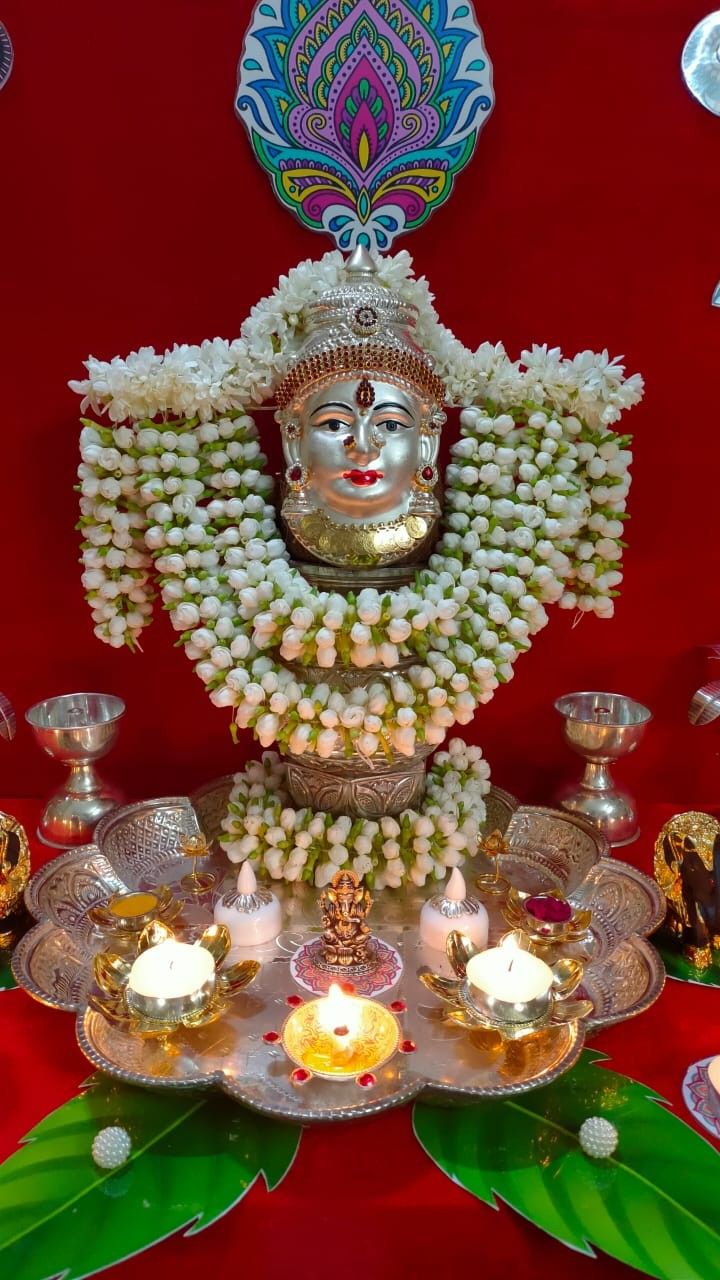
363,111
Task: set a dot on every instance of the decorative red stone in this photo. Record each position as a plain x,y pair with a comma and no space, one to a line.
407,1046
366,1080
427,473
301,1075
271,1037
548,909
294,1001
341,1031
398,1006
296,473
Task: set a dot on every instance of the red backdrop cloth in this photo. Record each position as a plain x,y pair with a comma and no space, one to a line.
362,1197
134,213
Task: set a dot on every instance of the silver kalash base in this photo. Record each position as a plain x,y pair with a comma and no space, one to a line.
53,962
357,787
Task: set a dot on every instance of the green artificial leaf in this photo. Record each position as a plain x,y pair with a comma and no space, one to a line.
653,1205
677,966
7,981
193,1157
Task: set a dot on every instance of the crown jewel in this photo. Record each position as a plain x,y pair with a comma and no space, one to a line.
359,327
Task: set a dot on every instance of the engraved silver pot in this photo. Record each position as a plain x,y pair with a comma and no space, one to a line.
357,786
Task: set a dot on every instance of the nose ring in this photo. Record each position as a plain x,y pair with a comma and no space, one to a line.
348,442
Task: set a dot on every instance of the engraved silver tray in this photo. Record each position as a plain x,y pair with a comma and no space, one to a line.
53,963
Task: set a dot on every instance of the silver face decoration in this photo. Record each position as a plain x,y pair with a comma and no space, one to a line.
361,447
360,413
361,462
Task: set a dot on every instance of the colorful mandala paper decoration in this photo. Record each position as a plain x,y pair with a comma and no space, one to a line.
363,111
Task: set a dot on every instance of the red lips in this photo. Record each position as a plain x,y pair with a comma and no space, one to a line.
362,477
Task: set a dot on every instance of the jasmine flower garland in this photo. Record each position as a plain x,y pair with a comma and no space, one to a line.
298,844
535,499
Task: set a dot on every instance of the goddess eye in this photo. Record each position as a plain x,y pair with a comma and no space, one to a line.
334,424
391,424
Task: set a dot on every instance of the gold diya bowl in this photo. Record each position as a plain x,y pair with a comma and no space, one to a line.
131,912
340,1053
547,917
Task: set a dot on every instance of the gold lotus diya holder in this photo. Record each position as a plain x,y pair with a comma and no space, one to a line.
156,993
481,996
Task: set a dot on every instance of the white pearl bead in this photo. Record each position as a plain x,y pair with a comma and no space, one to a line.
111,1147
598,1137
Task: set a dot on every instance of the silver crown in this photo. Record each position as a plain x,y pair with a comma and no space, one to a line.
360,327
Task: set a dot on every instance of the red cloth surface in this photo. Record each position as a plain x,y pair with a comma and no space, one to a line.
362,1196
134,213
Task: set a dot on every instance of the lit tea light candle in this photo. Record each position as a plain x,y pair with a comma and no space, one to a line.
340,1036
339,1015
170,980
250,914
451,910
510,984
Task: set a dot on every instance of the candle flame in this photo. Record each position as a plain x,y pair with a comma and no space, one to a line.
339,1010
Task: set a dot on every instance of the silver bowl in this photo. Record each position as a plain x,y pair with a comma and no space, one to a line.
76,729
602,728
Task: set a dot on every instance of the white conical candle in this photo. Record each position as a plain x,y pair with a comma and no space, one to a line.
252,917
247,880
456,889
450,910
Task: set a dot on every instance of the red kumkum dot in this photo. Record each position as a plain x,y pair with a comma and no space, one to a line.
548,909
348,988
294,1001
301,1075
271,1037
407,1046
366,1080
398,1006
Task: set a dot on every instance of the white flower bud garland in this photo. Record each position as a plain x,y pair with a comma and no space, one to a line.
298,844
535,500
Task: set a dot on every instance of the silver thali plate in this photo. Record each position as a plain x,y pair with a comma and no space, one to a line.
53,963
